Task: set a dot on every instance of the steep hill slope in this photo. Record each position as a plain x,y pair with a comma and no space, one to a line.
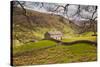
37,24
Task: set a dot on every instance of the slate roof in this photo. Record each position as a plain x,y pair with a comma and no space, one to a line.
54,32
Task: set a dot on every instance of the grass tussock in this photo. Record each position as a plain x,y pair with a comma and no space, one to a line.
60,54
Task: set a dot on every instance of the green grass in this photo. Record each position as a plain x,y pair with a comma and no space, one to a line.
92,38
81,52
33,45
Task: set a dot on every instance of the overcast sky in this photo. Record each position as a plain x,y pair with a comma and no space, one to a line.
71,9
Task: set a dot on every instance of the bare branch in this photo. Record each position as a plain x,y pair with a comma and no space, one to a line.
94,13
42,5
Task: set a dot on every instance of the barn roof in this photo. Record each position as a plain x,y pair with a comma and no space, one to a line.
54,32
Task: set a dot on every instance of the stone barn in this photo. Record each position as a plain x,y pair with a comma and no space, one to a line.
53,34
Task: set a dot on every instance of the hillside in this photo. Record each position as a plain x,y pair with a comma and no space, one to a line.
37,24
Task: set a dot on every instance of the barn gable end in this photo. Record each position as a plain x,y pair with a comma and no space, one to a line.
53,34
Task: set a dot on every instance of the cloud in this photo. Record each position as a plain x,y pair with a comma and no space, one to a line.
49,7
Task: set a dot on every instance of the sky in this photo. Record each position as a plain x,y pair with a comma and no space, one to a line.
72,9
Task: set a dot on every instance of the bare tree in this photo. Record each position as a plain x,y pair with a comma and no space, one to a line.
22,5
80,12
91,18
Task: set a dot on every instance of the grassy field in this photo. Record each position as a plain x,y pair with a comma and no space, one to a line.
33,45
81,52
79,38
